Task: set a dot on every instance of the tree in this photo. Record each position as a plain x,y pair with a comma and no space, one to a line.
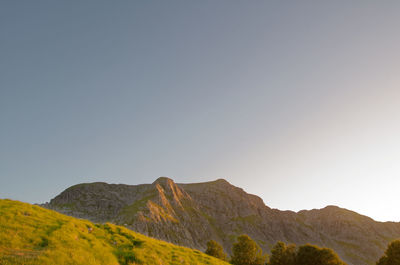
214,249
392,254
246,252
313,255
282,254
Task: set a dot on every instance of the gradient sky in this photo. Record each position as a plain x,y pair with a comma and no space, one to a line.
297,102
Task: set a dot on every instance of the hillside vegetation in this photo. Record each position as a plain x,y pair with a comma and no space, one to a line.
30,234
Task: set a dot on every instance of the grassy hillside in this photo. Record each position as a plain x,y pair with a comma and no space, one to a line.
30,234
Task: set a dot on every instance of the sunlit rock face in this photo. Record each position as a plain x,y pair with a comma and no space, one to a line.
192,214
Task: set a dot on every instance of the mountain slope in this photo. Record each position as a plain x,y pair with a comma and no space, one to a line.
192,214
32,235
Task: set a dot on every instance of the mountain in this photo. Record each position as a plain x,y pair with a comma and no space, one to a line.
31,235
192,214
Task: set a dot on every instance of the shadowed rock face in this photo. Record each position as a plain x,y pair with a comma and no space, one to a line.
192,214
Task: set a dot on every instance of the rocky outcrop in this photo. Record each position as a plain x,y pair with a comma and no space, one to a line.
192,214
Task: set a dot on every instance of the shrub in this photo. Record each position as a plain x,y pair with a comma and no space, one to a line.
214,249
247,252
309,254
282,254
392,254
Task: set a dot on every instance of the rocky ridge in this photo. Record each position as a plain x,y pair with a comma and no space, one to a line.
192,214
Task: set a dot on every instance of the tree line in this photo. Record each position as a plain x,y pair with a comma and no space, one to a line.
247,252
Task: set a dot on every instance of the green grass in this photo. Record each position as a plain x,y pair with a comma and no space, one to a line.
32,235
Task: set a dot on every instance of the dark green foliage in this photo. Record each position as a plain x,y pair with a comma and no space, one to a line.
125,255
214,249
246,252
282,254
135,242
392,254
124,252
44,242
313,255
382,261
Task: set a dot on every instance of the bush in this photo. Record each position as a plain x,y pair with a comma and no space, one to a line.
392,254
309,254
247,252
214,249
282,254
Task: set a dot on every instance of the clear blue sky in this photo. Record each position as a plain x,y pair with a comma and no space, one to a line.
298,103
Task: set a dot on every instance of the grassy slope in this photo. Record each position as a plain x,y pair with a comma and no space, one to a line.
30,234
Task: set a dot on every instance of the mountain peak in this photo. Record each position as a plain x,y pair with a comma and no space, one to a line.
163,180
222,181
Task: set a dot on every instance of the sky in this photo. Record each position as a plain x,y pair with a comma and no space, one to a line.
297,102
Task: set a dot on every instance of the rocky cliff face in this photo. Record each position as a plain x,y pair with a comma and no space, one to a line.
192,214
